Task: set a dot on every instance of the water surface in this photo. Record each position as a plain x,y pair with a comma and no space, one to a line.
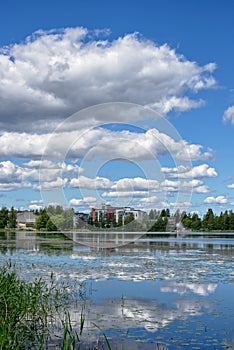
171,292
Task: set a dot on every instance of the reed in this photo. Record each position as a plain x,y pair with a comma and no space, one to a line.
28,310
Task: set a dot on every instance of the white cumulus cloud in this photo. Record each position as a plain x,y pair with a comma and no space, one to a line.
56,73
216,200
230,186
228,115
81,202
184,172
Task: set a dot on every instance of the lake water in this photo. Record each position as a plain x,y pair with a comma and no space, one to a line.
157,293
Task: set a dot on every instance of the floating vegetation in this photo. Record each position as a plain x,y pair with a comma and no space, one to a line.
140,298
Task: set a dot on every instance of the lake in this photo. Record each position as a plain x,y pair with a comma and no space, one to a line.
160,292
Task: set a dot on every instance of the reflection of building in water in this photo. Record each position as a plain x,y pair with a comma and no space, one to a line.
25,240
26,219
109,239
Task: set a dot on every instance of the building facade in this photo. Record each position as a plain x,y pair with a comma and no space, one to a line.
106,212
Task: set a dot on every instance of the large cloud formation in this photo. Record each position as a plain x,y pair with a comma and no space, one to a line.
56,73
99,141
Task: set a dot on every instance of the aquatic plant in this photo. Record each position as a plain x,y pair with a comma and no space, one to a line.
28,310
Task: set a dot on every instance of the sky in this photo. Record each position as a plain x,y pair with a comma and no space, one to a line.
118,102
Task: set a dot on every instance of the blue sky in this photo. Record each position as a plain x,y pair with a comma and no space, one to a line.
164,72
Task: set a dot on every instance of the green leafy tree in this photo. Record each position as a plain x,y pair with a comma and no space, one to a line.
50,226
187,221
68,215
42,219
58,210
129,218
58,221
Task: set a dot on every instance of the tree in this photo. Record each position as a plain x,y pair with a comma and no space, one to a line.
160,225
129,218
208,222
163,213
226,221
177,215
4,217
196,222
58,221
12,218
187,221
151,214
50,226
114,223
231,220
90,220
168,213
42,219
120,220
69,218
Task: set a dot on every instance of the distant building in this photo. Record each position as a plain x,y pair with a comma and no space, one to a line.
26,219
107,212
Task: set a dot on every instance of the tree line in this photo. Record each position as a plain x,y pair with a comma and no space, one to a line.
53,218
192,221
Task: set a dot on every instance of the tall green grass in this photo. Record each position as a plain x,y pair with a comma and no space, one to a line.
28,310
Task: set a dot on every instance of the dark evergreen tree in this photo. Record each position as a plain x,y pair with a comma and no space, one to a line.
12,218
196,222
152,214
4,217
